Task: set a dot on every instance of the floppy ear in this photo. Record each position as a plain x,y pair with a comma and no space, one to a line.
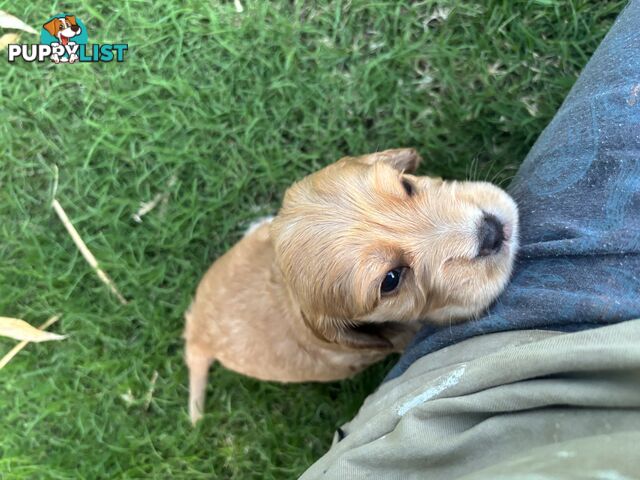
52,27
403,159
71,19
363,336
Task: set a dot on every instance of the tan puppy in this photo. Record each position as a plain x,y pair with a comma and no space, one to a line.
359,253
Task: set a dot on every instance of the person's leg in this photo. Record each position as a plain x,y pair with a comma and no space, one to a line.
493,399
485,399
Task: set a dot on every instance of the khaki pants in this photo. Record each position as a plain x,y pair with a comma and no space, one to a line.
512,405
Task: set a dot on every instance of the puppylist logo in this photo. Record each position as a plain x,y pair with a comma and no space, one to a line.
64,39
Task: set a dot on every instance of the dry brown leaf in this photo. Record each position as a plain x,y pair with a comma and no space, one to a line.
4,361
160,198
8,39
9,21
128,397
21,330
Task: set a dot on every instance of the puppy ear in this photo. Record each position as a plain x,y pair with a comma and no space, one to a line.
71,19
52,27
364,336
403,159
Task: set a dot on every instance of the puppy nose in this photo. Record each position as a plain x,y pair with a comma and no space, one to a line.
75,28
491,235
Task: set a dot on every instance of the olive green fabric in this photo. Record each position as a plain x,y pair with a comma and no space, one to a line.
599,457
526,404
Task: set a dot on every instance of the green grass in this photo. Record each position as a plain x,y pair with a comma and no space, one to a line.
236,107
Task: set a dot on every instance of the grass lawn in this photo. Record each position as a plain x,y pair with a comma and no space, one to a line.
233,107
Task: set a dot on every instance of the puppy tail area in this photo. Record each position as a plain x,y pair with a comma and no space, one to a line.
198,362
198,365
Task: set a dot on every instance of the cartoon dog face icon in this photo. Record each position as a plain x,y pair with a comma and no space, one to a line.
64,29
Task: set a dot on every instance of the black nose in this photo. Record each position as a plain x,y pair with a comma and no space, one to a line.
75,28
491,235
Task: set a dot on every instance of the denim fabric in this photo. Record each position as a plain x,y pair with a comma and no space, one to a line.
578,192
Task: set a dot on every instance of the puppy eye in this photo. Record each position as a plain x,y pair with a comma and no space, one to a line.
391,280
408,187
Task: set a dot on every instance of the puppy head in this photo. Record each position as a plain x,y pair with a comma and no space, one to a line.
66,27
363,244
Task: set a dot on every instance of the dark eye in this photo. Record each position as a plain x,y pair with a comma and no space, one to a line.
408,187
391,280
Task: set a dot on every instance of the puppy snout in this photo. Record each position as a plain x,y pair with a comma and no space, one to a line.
490,235
75,28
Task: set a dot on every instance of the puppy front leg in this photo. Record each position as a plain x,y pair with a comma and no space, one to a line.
198,364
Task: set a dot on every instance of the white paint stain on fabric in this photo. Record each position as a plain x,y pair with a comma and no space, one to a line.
442,383
565,454
633,97
526,476
611,475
